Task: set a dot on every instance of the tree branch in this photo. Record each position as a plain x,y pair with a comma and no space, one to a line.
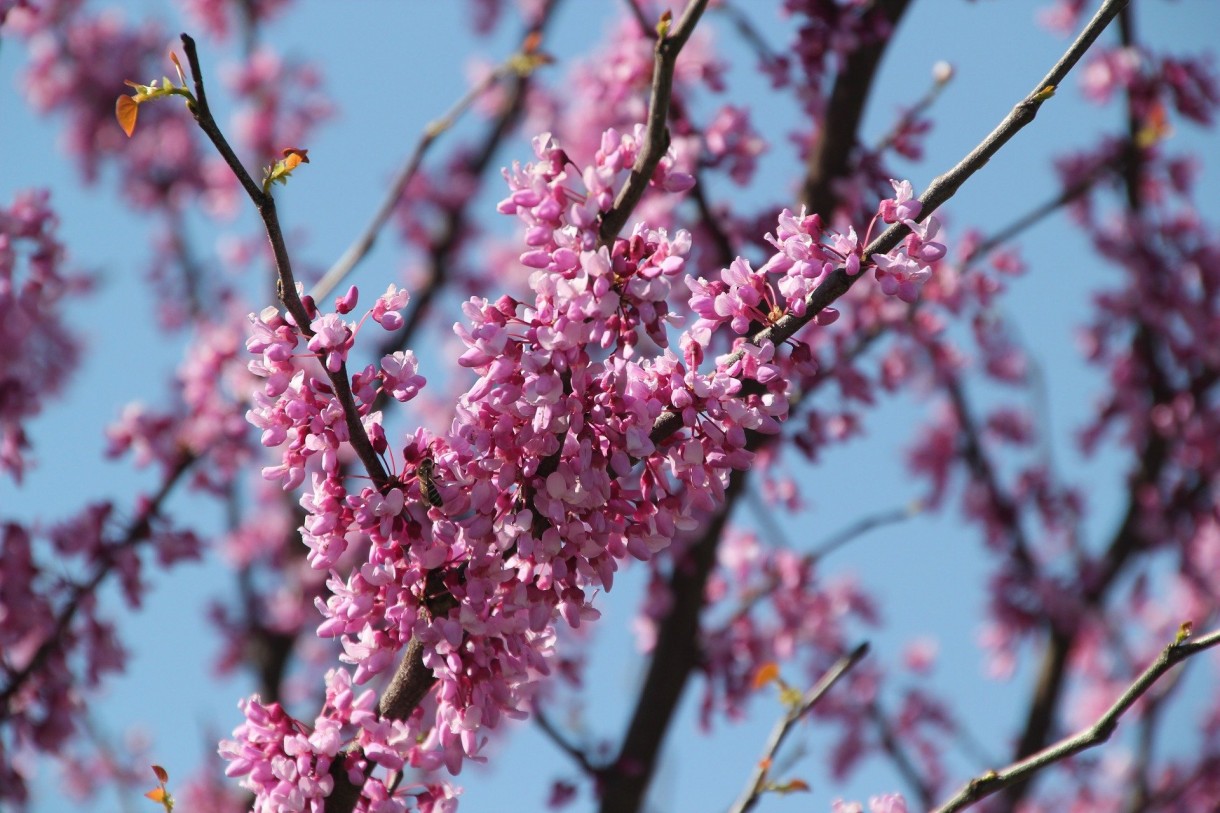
828,158
518,65
758,780
838,282
138,531
993,781
656,138
942,189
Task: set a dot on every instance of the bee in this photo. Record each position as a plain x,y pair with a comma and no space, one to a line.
427,487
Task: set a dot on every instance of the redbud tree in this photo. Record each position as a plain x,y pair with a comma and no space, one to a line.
663,317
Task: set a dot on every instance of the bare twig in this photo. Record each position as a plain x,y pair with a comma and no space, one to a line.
863,526
758,781
638,13
993,781
578,755
899,756
745,26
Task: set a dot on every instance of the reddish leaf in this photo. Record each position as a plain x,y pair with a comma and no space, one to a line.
765,674
126,110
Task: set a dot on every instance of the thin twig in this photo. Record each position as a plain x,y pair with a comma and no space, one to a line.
363,244
578,755
1067,195
640,18
758,781
993,781
286,286
898,755
862,526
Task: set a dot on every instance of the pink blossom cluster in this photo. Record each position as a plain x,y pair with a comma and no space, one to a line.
732,141
824,34
885,803
1151,337
216,16
289,765
39,352
296,404
1187,85
549,477
747,299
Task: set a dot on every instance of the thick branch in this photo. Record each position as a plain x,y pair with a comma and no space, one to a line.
674,657
828,158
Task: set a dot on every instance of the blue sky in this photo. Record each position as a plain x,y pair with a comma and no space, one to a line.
399,66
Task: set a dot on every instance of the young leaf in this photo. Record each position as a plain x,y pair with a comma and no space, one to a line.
765,674
126,110
281,169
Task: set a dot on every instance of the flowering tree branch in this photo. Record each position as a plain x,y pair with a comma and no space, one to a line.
518,66
656,141
828,159
941,190
138,531
994,781
671,657
286,285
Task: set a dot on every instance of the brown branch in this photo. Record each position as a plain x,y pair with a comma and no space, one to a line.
759,779
993,781
675,655
656,137
413,680
286,283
